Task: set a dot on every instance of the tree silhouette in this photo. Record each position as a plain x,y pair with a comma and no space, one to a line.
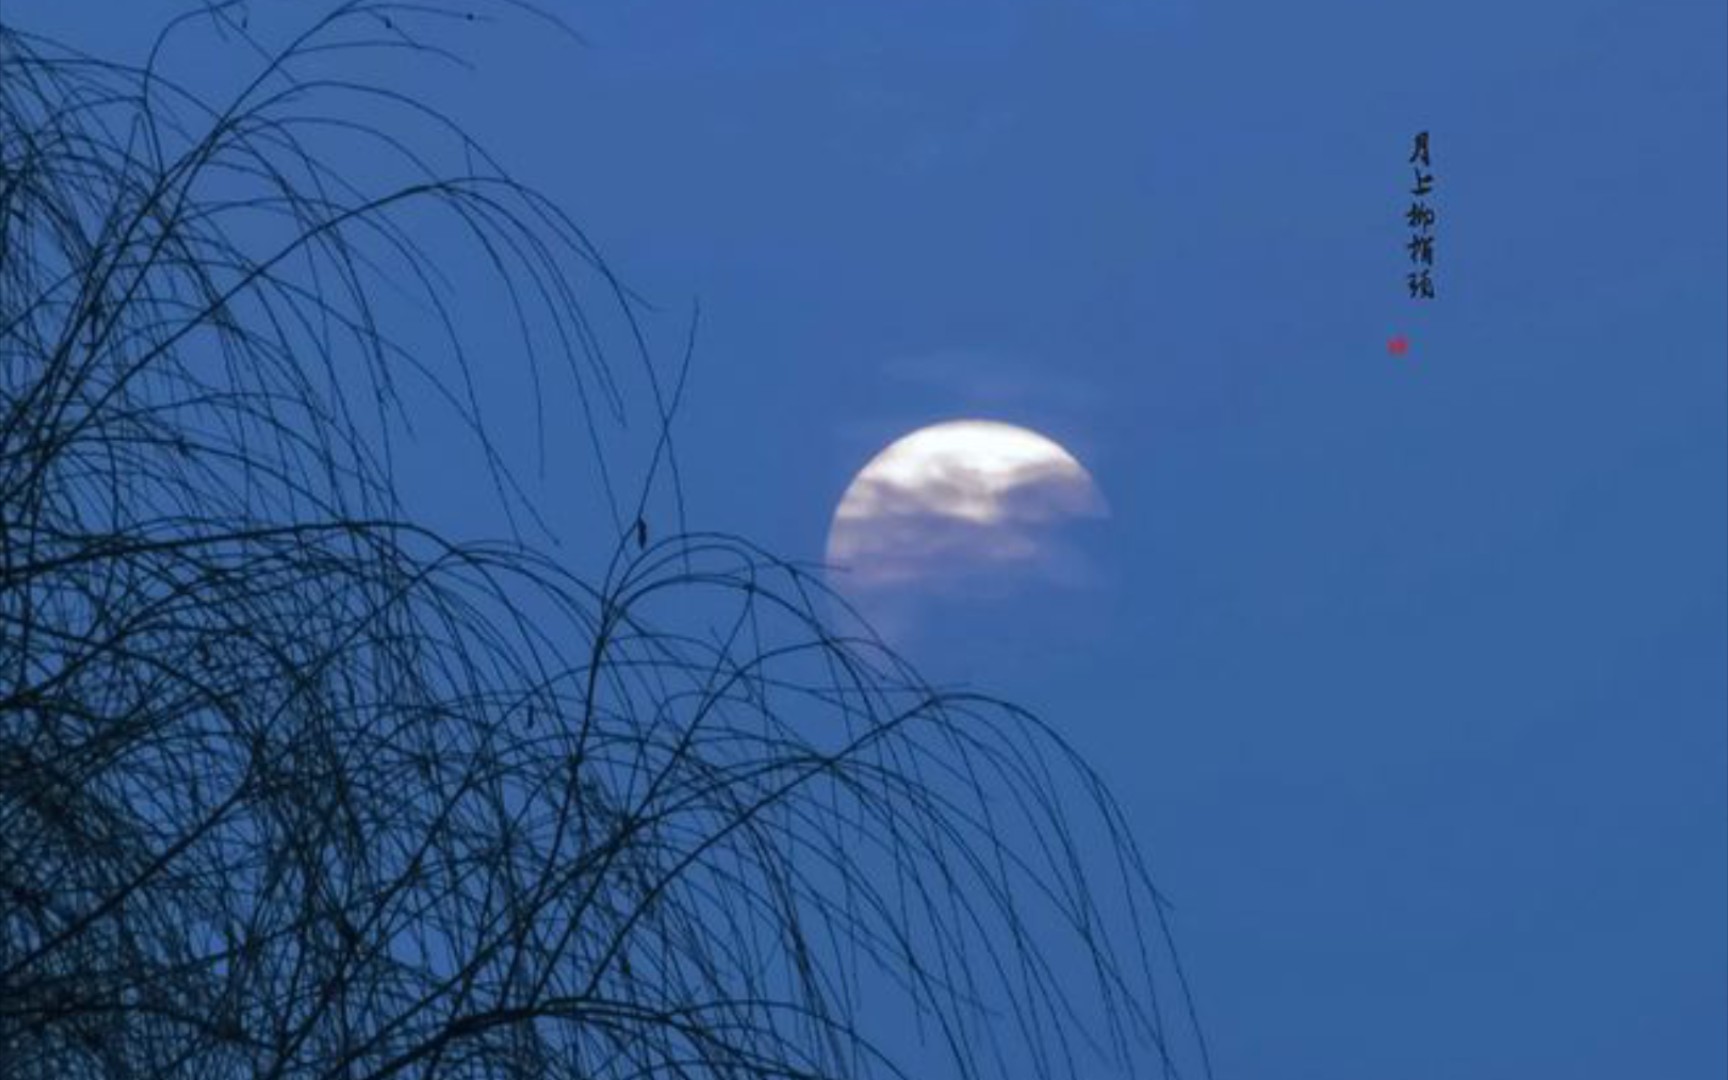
293,786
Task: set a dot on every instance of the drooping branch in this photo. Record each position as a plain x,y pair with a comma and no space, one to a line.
293,786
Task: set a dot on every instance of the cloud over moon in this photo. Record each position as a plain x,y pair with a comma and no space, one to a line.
959,502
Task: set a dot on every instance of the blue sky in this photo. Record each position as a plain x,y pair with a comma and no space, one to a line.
1411,670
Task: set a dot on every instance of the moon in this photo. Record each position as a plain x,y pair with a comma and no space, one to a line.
961,506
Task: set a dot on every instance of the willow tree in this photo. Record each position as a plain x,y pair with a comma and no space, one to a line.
291,785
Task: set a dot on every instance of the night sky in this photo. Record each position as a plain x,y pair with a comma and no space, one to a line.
1409,669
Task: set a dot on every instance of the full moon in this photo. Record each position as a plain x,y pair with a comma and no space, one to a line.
959,505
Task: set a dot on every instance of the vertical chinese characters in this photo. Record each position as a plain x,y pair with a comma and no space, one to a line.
1420,217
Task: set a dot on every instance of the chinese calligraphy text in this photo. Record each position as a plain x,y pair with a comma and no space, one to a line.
1420,218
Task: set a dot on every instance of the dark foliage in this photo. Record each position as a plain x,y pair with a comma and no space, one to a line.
291,786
